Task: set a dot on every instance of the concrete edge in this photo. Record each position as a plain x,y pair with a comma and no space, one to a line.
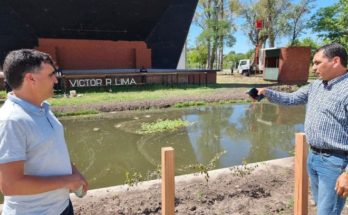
259,166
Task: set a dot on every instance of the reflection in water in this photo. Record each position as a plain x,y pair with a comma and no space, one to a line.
251,132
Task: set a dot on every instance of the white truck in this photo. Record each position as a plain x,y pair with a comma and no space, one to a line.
244,67
247,67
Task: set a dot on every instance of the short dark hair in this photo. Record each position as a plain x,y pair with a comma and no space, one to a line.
334,50
19,62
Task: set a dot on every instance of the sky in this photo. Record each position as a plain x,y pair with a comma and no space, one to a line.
243,44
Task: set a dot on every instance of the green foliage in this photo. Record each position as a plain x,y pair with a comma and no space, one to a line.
197,57
2,94
148,93
216,23
189,104
155,174
272,12
331,23
76,113
243,170
204,169
162,125
296,23
232,58
133,179
280,18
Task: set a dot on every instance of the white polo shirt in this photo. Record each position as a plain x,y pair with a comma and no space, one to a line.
34,135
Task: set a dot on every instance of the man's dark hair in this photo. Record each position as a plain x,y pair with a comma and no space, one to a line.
335,50
19,62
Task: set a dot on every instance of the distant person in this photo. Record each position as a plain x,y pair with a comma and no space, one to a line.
326,126
36,174
143,69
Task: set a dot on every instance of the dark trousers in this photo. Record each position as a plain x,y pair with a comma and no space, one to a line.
68,210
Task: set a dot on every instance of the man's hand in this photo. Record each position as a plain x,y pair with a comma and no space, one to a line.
261,91
342,185
80,178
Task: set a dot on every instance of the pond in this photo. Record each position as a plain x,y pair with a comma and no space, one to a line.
104,149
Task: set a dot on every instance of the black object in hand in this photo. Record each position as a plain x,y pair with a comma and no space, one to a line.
253,93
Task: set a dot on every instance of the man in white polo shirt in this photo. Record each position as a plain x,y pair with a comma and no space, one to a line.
36,174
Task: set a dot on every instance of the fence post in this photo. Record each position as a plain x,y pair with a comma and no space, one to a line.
301,177
168,183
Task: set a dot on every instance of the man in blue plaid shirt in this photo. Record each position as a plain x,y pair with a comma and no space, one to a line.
326,126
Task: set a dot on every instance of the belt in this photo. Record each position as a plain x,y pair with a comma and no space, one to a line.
328,151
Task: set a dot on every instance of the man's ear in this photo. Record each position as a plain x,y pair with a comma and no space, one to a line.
28,77
337,61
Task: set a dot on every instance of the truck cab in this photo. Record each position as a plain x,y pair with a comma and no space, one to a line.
244,67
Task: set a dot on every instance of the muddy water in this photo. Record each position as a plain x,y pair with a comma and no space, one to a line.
104,149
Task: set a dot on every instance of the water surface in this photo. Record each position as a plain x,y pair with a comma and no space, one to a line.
104,149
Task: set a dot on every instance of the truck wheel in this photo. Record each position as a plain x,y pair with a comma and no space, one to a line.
245,72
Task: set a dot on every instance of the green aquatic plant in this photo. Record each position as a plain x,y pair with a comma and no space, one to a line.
204,169
76,113
162,125
132,179
190,104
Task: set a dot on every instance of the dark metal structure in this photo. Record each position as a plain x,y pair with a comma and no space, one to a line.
162,24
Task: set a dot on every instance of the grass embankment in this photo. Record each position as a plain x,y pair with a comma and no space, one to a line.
89,102
146,97
229,89
129,95
93,101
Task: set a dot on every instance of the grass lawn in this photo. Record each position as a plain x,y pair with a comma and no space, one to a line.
135,94
156,92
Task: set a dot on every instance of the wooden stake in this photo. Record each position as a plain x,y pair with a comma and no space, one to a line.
168,183
301,177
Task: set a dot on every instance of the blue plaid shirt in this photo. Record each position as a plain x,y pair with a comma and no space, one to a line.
326,123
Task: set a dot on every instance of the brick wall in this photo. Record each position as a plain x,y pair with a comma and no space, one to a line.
294,65
96,54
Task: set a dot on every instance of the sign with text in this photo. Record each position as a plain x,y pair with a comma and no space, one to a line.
103,82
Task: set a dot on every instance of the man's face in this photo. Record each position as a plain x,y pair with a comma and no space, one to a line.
323,66
45,79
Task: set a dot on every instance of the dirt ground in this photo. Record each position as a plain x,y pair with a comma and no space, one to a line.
266,188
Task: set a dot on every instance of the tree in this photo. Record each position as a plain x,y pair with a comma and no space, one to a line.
197,57
273,13
215,22
250,11
331,23
233,58
280,18
296,23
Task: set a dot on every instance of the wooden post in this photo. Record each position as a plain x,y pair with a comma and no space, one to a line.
168,184
301,177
